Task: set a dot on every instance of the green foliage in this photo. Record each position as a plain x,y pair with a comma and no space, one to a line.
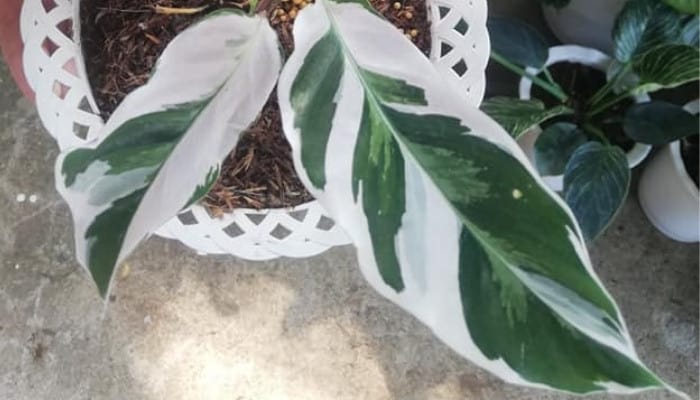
655,47
596,182
684,6
555,146
517,116
517,42
659,123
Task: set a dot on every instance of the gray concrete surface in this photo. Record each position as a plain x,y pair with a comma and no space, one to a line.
190,327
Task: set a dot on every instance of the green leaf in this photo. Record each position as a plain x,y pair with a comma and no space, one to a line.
691,32
518,116
643,25
684,6
555,145
161,149
517,42
446,212
658,123
596,182
666,67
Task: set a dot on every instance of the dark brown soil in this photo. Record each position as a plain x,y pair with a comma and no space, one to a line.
690,151
581,83
124,38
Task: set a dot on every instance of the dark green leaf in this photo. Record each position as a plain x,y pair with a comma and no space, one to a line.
313,94
555,145
643,25
517,42
684,6
658,123
517,116
596,181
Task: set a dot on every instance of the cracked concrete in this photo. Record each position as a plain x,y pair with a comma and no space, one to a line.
189,327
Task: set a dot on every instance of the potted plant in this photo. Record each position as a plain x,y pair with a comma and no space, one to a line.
246,214
668,188
589,23
589,132
448,217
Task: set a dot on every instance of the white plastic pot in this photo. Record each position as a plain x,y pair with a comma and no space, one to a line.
579,55
669,196
584,22
53,64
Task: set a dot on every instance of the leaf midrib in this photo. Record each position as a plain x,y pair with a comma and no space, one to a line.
376,104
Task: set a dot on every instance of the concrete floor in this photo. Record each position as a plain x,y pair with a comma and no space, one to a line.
190,327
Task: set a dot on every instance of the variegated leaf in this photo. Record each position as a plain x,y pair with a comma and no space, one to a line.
162,147
517,116
643,25
449,219
666,67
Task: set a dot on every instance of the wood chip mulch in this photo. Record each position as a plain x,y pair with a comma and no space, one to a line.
124,38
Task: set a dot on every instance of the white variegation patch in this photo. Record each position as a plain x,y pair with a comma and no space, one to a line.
429,237
228,61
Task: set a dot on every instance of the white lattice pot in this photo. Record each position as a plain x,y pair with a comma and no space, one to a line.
54,66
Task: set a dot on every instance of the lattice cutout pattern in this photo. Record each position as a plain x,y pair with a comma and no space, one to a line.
54,66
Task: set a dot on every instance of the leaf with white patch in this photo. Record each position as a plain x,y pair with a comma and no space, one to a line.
666,67
596,182
643,25
449,219
162,147
517,116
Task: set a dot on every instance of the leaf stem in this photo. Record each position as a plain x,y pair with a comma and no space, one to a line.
602,107
597,132
553,89
609,85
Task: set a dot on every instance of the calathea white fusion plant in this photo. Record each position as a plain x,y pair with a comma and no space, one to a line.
449,219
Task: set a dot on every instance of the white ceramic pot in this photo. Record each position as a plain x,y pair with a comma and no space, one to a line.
580,55
669,196
584,22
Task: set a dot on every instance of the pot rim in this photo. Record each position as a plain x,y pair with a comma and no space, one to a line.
595,59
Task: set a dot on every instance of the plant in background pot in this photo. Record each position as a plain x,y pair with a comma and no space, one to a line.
592,125
589,22
668,188
449,219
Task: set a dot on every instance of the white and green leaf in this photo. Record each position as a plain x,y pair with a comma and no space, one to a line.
643,25
449,219
161,149
596,182
666,67
517,116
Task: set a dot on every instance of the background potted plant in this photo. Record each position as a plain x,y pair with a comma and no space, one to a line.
589,121
668,188
583,22
449,219
589,22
